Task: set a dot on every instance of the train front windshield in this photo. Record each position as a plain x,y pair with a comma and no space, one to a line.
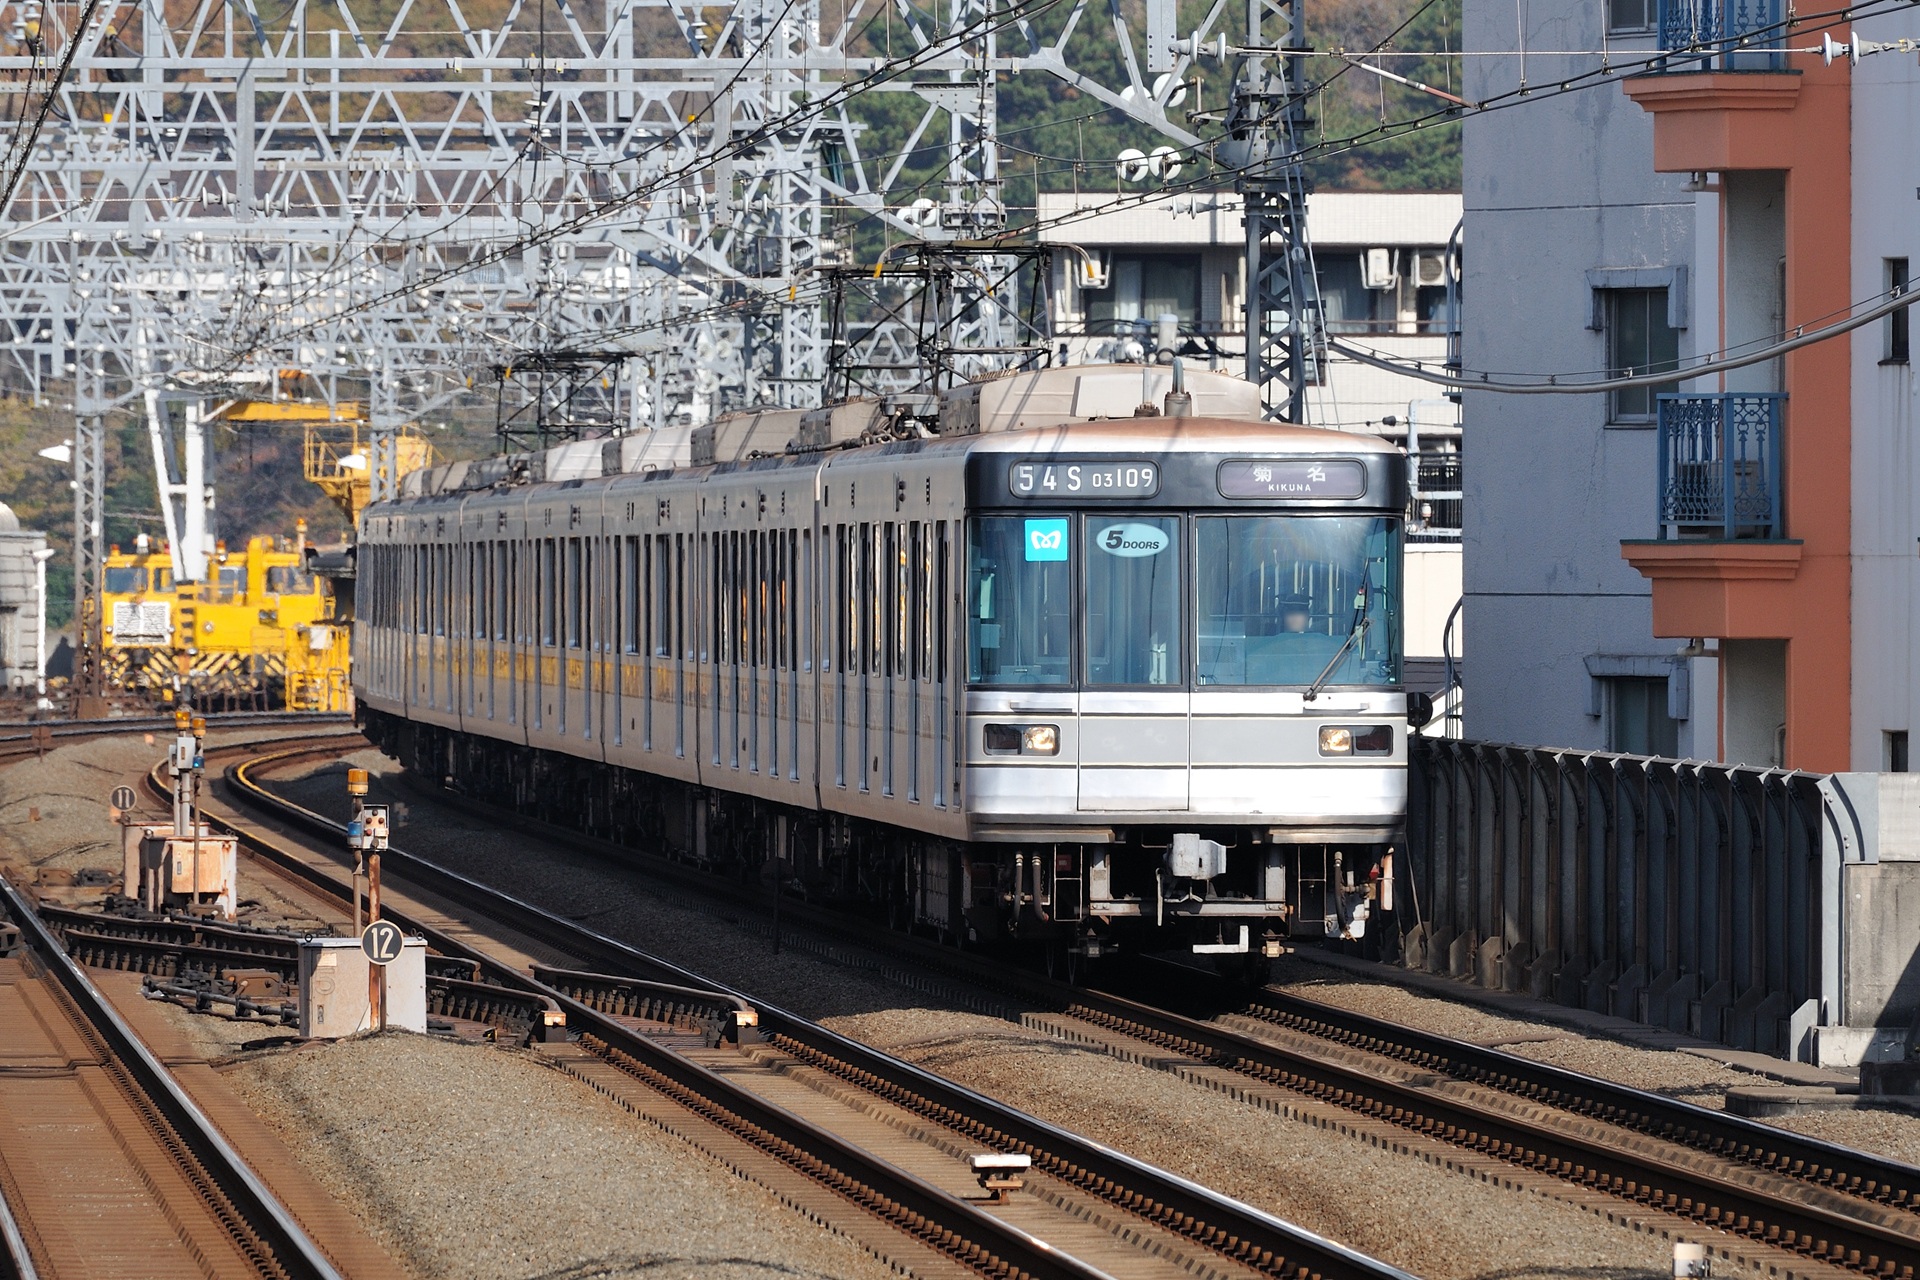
1136,601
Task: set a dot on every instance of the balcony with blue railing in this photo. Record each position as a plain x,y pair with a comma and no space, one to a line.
1721,35
1720,465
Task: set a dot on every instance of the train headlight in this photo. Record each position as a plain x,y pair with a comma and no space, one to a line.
1040,740
1356,740
1021,739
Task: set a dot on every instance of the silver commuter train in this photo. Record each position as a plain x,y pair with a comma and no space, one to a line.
1041,674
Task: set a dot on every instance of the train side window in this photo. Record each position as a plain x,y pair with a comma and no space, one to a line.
570,585
868,591
942,560
843,626
510,596
477,590
768,587
438,590
549,589
802,623
678,636
712,544
791,601
660,573
756,584
633,604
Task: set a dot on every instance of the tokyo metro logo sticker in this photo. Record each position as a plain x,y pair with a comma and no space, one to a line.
1046,540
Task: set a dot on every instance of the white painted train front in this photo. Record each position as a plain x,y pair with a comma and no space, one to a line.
1044,674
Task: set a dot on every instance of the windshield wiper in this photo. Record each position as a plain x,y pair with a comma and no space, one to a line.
1362,619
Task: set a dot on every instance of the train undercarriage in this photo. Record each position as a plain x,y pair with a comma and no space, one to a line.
1247,899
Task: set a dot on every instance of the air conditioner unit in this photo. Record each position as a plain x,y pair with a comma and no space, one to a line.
1430,270
1379,269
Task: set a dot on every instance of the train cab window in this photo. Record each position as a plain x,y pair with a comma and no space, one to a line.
230,583
1133,601
1284,600
289,580
163,579
126,580
1020,600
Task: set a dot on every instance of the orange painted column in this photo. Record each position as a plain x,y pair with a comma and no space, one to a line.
1800,123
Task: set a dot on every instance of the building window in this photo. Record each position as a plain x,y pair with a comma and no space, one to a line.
1640,340
1349,305
1897,751
1630,15
1638,722
1143,287
1895,328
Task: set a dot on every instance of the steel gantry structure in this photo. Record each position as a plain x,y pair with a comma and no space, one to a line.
393,197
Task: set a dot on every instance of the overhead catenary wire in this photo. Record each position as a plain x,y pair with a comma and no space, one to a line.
1895,299
740,145
1581,80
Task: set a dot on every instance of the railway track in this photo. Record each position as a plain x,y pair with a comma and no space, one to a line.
31,737
899,1130
165,1193
1670,1164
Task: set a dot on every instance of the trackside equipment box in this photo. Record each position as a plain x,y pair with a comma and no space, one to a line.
333,988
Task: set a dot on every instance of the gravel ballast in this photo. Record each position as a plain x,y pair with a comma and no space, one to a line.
473,1161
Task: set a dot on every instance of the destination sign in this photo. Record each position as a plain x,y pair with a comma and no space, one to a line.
1046,478
1292,478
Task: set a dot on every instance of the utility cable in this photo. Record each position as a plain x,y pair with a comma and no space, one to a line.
1897,299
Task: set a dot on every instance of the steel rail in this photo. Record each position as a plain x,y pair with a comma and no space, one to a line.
1818,1227
264,1214
15,1262
150,724
1256,1238
1721,1133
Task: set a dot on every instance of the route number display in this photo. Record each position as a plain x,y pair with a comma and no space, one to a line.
1041,478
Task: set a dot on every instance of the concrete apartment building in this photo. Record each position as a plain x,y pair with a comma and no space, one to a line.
1740,554
1582,259
1381,261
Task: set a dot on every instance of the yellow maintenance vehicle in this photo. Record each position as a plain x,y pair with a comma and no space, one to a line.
240,639
267,627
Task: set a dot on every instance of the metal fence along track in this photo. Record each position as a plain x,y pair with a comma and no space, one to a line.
1685,895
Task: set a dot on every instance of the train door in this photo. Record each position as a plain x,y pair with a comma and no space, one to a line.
1134,706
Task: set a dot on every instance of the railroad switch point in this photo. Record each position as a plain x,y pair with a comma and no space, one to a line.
1000,1175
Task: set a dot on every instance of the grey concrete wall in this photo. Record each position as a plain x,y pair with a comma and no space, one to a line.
1556,187
1880,944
